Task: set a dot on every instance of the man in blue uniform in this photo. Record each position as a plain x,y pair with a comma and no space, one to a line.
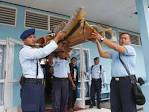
32,88
121,92
60,85
96,72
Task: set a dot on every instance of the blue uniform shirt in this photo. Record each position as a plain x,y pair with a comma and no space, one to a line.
128,57
28,59
61,68
95,72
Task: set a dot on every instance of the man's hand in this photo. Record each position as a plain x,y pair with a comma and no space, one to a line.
73,86
60,36
50,59
96,35
104,85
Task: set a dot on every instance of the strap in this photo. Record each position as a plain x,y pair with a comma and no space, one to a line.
133,80
124,65
101,73
100,68
37,69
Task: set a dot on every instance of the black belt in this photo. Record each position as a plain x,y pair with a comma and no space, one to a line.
60,78
122,78
96,79
34,81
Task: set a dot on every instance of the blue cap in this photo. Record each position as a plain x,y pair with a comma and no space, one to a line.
27,33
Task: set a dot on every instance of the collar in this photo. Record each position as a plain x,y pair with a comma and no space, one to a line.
27,46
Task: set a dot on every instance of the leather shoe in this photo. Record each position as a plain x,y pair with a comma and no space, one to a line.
98,106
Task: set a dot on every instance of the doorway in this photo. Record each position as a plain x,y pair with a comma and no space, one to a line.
83,63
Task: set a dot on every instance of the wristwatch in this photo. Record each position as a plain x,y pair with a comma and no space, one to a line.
102,38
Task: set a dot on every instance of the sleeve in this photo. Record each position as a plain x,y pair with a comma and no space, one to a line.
111,53
54,59
37,53
129,50
68,68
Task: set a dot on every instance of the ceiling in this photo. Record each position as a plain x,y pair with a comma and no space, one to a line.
117,13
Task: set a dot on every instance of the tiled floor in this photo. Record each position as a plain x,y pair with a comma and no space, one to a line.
94,110
89,110
105,107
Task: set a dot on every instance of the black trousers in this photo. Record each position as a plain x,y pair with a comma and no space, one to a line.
121,95
72,95
95,90
60,93
32,97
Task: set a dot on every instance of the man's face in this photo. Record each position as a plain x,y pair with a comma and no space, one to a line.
124,39
62,55
30,40
74,61
96,61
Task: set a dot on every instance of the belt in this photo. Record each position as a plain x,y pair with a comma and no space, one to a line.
122,78
34,81
96,79
60,78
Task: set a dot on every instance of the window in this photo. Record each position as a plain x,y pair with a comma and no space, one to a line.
7,15
36,20
107,32
136,40
54,21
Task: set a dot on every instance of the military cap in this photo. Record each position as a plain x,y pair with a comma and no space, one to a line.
27,33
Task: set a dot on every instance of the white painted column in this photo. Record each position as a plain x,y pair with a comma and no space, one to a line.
82,77
143,16
8,99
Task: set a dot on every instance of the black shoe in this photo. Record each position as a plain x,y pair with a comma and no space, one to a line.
91,106
70,110
98,106
94,104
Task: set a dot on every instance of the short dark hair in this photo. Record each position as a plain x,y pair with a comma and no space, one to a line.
125,33
73,58
96,58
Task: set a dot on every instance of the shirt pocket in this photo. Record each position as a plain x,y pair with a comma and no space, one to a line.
57,63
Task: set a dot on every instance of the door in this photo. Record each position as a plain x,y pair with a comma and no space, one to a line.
83,90
7,75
